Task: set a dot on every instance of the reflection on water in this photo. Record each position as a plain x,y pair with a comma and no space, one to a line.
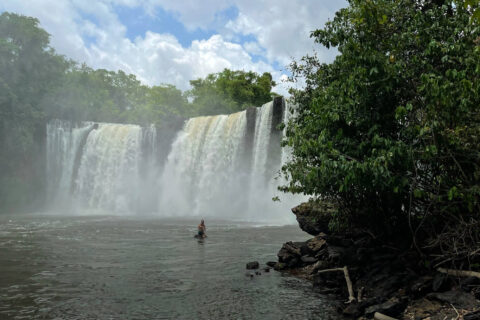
127,268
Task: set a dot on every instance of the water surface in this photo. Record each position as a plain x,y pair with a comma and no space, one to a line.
105,267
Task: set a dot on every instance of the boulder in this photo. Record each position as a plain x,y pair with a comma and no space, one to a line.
459,299
253,265
289,251
316,244
271,263
308,259
392,308
313,217
279,266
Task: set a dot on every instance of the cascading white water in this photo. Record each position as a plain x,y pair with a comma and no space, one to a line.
97,166
206,172
203,166
64,140
109,168
221,166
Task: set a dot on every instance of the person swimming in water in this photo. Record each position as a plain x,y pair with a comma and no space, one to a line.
202,229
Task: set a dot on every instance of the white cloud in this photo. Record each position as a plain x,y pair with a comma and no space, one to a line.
90,31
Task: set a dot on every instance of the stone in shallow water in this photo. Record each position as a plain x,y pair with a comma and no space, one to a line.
253,265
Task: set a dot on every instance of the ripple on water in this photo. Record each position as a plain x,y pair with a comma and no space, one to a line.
117,268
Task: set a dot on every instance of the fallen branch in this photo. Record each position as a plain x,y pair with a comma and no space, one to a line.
351,296
381,316
459,273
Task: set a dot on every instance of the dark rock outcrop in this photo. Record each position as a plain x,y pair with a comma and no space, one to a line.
253,265
388,280
459,299
314,216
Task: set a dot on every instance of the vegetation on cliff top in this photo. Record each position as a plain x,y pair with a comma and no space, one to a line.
36,84
390,131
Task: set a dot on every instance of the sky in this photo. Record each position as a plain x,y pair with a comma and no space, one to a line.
174,41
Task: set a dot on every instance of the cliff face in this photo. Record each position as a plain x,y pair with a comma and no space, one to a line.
313,217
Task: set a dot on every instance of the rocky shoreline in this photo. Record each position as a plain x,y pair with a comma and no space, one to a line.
385,282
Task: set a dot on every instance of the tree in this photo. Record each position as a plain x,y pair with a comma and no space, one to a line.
29,69
230,91
390,131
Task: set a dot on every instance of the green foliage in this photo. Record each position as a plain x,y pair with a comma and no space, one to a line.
390,129
36,85
28,70
230,91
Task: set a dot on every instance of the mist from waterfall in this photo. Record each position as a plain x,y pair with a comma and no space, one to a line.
222,166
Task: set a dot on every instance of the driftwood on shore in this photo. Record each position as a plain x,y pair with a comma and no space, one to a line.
351,295
381,316
459,273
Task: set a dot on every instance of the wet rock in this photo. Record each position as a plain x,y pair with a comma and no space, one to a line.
290,254
258,273
314,216
271,263
392,308
266,269
308,259
253,265
280,266
459,299
294,263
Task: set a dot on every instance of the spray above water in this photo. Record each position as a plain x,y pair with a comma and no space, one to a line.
218,166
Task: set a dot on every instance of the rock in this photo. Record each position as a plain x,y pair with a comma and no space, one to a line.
280,266
308,259
316,244
288,253
472,315
258,273
313,217
253,265
320,265
266,269
353,310
271,263
294,263
392,308
459,299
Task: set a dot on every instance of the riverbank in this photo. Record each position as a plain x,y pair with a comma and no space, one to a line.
376,277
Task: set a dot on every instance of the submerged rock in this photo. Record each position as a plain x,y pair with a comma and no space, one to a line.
253,265
314,216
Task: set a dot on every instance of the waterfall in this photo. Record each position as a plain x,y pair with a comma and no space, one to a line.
223,166
203,169
97,165
64,141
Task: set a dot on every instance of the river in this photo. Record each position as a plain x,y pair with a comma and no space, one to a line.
111,267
